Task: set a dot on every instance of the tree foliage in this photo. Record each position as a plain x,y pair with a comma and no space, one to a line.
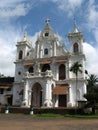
76,67
92,91
91,86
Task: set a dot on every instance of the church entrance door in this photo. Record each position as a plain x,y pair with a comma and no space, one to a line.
36,98
62,100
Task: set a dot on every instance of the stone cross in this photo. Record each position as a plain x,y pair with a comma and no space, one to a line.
47,21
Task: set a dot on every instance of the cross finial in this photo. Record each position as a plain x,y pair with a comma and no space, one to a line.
47,21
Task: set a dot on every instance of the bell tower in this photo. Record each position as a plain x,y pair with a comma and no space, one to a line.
76,40
23,48
76,49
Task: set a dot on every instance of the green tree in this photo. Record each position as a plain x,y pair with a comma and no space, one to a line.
92,80
76,68
92,91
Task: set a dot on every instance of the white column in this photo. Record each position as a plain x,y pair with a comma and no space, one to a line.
54,49
70,73
69,104
25,97
37,50
57,101
84,90
83,63
50,50
46,93
41,52
67,70
50,92
48,96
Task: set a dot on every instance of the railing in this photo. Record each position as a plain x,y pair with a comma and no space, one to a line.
47,73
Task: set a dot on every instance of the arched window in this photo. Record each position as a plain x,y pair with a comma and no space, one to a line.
62,72
45,67
21,54
76,48
46,34
31,70
45,51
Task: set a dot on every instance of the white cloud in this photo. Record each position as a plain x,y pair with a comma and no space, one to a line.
19,10
8,39
13,8
69,6
92,18
92,14
7,58
96,35
91,58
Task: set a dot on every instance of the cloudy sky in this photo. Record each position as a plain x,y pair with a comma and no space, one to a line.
18,16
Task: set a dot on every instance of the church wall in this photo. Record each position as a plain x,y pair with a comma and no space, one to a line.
81,89
2,99
16,100
19,72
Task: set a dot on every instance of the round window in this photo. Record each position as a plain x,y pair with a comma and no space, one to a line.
19,73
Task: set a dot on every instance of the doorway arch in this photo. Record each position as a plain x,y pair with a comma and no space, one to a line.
36,97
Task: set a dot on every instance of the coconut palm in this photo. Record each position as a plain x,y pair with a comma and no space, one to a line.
76,68
92,80
92,91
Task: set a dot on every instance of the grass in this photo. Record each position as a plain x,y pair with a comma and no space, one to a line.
51,115
47,115
82,116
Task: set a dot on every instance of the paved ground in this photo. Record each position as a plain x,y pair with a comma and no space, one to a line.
26,122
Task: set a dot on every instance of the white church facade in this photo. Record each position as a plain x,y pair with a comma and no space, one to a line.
42,72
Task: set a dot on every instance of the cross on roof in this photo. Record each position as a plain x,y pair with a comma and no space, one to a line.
47,21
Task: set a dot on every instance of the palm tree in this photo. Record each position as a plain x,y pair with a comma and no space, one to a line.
75,68
92,80
92,91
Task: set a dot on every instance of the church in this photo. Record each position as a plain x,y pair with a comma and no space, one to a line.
42,70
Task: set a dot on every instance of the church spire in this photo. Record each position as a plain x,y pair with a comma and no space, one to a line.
75,26
25,36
